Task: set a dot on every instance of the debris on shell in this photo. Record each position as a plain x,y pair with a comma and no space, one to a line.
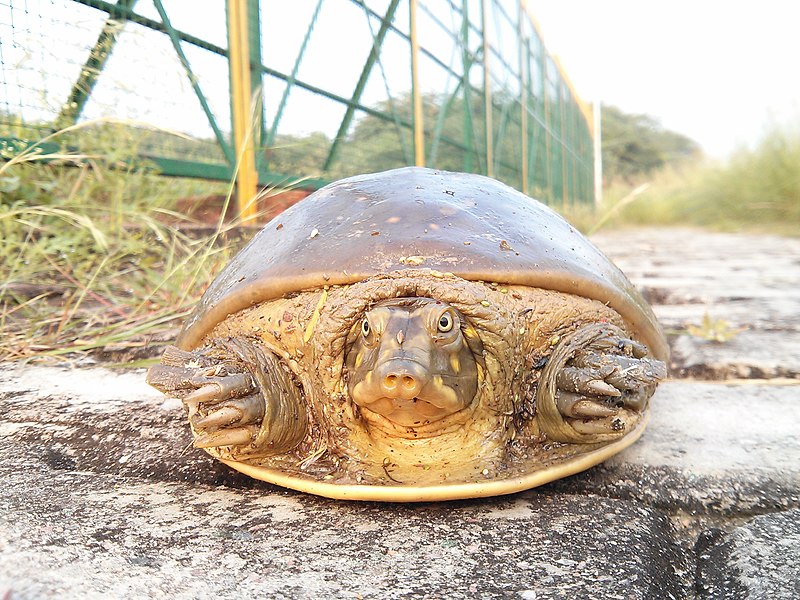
312,322
314,233
412,261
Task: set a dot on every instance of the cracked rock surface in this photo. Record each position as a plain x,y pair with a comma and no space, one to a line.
103,496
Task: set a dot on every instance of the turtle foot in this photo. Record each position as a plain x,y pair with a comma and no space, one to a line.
238,397
613,369
593,381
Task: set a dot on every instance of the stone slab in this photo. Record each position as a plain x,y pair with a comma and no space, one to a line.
727,276
751,354
760,559
751,282
709,448
102,499
73,535
761,314
729,261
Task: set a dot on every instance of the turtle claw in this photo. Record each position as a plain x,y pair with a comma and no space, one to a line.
575,405
222,417
587,381
198,378
220,401
240,398
594,383
237,436
220,388
242,411
611,368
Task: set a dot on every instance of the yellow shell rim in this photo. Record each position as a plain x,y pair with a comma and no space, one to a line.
447,491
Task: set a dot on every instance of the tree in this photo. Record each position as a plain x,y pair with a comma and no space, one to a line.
635,145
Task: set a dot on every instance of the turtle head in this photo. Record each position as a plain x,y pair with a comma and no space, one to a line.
413,361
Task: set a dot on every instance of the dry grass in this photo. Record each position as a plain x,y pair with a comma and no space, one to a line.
91,259
756,190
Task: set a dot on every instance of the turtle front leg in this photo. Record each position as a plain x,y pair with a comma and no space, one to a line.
240,398
594,381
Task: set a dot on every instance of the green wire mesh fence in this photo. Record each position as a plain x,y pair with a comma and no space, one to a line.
333,81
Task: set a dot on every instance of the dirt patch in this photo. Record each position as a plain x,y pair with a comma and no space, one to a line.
208,209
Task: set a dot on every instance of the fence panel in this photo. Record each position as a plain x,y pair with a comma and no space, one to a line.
315,90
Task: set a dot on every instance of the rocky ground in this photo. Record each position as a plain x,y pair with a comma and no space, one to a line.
102,496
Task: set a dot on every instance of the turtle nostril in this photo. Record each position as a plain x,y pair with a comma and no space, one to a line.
407,382
401,385
400,379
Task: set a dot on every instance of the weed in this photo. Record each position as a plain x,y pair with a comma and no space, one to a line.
714,330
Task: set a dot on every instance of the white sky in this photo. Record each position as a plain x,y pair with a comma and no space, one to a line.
719,72
716,71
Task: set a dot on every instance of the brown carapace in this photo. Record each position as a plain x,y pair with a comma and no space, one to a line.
416,335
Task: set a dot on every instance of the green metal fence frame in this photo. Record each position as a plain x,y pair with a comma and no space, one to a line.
556,132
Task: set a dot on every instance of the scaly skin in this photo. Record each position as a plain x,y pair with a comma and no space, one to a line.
410,362
301,348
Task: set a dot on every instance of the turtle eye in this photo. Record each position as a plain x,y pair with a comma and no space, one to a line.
365,329
445,323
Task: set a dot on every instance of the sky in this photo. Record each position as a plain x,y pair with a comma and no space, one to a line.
718,72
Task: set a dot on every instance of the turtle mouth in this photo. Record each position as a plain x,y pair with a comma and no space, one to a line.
416,411
412,412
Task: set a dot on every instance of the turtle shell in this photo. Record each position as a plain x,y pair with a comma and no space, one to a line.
470,225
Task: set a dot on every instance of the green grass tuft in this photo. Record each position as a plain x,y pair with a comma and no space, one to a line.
755,190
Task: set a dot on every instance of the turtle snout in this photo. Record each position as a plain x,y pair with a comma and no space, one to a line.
402,379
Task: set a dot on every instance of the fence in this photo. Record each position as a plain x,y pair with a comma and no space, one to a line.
273,92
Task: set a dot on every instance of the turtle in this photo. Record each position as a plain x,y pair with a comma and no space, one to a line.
416,335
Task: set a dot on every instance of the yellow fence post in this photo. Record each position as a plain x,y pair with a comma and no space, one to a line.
487,91
419,125
242,113
597,137
523,99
